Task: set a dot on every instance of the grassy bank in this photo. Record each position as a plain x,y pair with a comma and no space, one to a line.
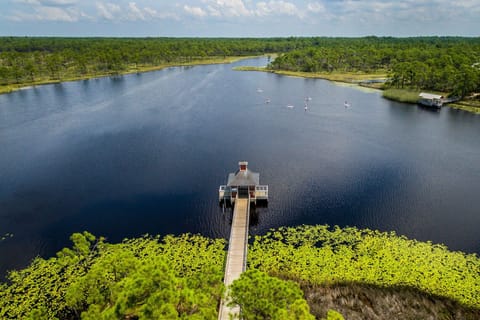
347,77
401,95
467,105
130,69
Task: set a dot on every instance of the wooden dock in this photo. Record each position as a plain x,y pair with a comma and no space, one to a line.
237,253
242,189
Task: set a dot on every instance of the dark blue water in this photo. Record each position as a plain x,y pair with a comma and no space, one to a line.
145,153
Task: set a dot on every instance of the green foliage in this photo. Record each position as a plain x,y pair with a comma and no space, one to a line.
334,315
443,64
39,290
179,277
263,297
319,255
25,60
402,95
446,64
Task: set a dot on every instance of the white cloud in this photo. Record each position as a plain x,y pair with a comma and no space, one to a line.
131,12
108,11
194,11
59,3
47,10
154,14
354,17
262,9
274,7
46,13
57,14
468,4
213,11
227,8
239,8
48,3
134,13
150,12
30,2
316,7
466,7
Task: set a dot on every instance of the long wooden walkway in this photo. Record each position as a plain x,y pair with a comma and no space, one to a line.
237,253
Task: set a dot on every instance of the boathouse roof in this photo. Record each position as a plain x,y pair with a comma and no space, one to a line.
243,177
430,96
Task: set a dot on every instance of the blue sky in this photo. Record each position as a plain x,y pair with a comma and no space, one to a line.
239,18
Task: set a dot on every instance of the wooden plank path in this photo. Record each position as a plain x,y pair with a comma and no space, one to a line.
237,253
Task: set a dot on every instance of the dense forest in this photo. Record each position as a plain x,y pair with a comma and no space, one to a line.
29,60
293,273
445,64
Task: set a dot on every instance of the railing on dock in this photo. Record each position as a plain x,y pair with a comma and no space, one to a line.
228,194
242,189
237,253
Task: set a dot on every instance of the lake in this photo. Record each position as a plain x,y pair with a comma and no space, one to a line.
146,153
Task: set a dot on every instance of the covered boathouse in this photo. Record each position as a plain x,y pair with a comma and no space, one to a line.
430,100
243,184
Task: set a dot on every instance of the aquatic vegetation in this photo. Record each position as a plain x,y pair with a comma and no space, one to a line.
321,255
181,277
142,277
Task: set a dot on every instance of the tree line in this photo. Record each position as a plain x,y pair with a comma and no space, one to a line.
445,64
28,59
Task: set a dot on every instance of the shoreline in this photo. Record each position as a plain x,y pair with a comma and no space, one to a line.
4,89
356,79
360,80
463,105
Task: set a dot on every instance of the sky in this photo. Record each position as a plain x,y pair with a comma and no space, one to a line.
239,18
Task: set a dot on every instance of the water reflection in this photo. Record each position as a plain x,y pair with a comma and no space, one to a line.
145,153
428,109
